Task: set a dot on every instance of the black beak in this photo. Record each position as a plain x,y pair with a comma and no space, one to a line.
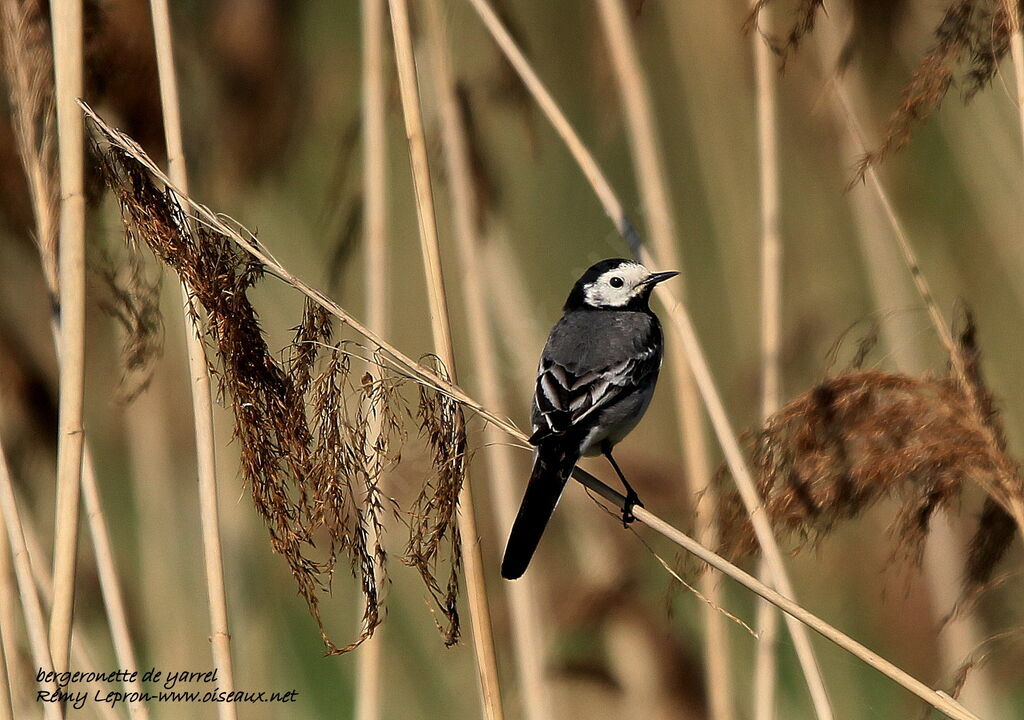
656,278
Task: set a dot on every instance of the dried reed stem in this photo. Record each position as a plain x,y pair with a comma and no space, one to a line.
937,699
202,400
651,177
66,16
527,638
6,631
375,158
766,653
602,188
480,616
429,378
8,613
694,353
35,622
110,584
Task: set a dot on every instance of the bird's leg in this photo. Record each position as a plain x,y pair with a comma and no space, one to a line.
632,499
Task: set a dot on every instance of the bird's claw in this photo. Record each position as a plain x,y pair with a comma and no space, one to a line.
632,500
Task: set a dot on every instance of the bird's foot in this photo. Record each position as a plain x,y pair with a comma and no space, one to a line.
632,500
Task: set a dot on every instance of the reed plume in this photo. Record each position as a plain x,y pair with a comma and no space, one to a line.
300,423
865,435
969,42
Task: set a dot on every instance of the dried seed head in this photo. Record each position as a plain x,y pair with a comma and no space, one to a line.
433,527
854,439
133,300
316,438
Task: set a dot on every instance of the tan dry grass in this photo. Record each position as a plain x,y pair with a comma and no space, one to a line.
66,19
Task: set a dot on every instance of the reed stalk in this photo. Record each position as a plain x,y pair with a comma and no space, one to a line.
766,653
106,567
202,399
427,377
483,641
375,158
66,17
698,364
8,647
35,622
527,639
661,225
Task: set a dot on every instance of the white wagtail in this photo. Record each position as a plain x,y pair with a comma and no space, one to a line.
594,383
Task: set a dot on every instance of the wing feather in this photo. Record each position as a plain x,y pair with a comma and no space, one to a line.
564,399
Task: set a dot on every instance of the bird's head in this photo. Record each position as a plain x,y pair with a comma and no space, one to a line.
615,284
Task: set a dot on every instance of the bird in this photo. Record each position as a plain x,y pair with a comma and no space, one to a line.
595,380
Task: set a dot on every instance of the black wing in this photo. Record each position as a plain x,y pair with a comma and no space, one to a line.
565,398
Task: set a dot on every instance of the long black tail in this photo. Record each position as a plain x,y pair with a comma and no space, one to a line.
551,470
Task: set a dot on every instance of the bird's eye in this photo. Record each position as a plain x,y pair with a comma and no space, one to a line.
615,282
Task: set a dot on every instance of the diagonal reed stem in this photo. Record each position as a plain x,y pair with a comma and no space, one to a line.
766,653
651,177
202,400
66,17
403,363
528,635
480,616
694,353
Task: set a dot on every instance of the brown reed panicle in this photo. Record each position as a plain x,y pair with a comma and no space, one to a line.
996,527
347,464
314,441
28,67
865,435
972,38
432,517
804,16
874,23
132,299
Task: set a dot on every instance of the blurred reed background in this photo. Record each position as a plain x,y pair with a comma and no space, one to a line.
278,119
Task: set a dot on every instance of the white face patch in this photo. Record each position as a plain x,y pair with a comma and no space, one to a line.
616,287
